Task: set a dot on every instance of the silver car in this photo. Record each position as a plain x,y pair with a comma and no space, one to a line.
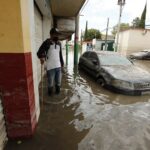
115,72
145,55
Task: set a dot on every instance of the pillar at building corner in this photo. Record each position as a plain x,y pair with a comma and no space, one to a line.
16,75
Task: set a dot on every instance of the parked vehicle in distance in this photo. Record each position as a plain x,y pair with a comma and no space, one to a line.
145,55
115,72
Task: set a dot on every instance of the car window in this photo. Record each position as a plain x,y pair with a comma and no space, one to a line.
113,60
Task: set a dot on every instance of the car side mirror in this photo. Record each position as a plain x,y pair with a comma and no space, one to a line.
95,62
132,61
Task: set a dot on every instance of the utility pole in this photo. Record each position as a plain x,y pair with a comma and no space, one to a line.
106,34
121,3
76,40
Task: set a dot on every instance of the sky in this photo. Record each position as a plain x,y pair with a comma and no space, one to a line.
96,13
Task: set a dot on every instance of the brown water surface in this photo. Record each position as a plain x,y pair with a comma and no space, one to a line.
88,117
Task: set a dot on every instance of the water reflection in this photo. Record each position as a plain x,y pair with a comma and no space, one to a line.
115,121
120,128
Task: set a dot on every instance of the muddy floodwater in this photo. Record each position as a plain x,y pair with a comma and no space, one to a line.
88,117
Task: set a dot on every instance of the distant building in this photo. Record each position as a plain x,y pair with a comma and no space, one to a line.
133,40
100,44
109,37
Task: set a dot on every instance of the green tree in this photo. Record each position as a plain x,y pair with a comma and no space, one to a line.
93,33
86,31
123,26
143,18
136,22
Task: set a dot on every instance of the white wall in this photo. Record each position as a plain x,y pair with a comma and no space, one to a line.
84,47
34,65
47,22
47,25
98,45
138,40
134,40
123,42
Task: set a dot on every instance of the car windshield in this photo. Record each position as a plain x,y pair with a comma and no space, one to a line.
113,60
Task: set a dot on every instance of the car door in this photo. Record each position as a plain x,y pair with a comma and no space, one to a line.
93,64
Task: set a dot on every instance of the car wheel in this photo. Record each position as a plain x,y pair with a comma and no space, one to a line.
101,81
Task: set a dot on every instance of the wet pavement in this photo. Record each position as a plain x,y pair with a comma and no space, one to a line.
87,117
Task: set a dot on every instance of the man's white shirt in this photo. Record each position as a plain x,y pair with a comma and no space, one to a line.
53,57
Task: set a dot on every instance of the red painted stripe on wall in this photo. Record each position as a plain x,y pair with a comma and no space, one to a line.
16,84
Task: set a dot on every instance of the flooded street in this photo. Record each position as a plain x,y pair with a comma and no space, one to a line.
48,102
89,117
113,121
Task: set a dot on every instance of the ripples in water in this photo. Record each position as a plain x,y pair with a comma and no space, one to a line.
113,121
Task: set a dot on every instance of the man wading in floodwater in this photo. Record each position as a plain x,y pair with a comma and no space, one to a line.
51,51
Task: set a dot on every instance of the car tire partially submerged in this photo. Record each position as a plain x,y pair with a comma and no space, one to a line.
101,81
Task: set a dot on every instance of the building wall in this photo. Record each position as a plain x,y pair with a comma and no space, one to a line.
11,27
16,75
138,40
98,45
134,40
34,64
18,63
44,12
84,47
46,25
123,42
